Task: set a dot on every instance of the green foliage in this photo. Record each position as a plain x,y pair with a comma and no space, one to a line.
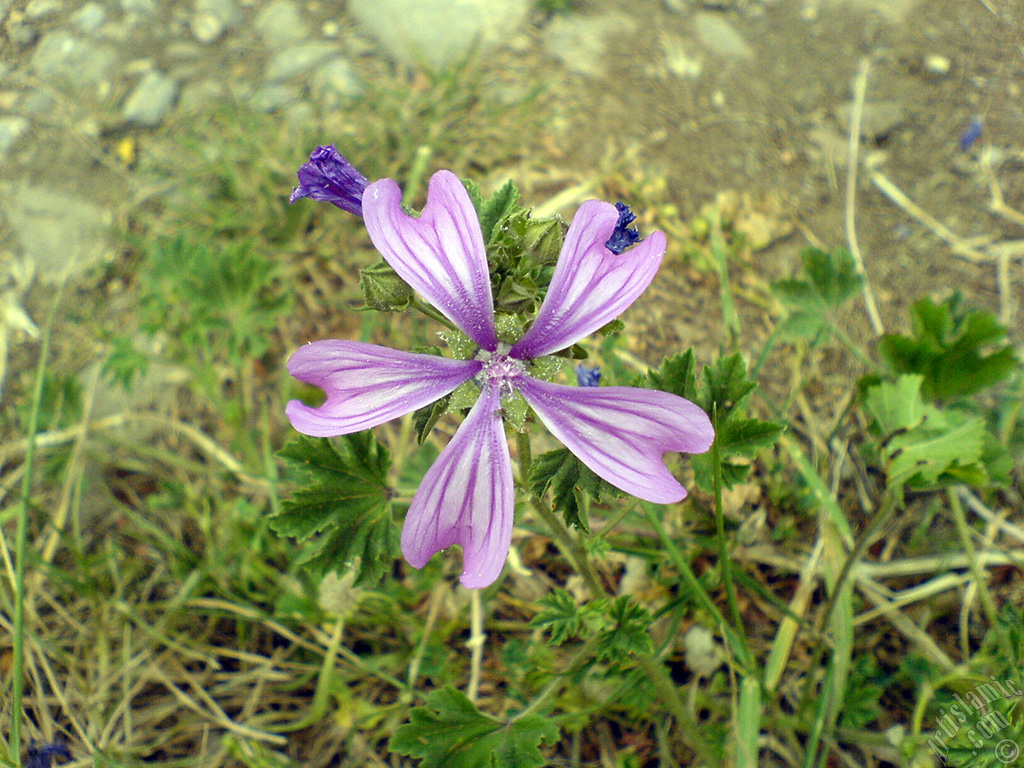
570,481
520,249
223,301
722,392
947,349
499,206
865,687
624,631
922,445
125,363
450,732
61,402
560,615
383,289
619,625
342,495
830,279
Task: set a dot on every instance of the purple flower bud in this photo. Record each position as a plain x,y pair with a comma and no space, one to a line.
623,237
588,377
329,177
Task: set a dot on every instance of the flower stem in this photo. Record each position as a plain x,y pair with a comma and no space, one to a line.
724,557
476,641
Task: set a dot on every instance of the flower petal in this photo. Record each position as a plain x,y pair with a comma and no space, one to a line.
367,385
591,286
466,498
621,433
440,254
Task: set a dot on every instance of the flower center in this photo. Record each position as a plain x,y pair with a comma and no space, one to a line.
500,370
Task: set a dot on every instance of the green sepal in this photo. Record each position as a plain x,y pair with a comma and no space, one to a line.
426,417
383,289
498,206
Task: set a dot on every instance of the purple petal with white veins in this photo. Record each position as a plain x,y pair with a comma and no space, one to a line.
591,286
466,498
621,433
440,254
328,176
367,385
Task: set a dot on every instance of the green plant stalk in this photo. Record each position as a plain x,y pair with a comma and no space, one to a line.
889,502
655,672
724,557
991,612
729,315
737,643
20,547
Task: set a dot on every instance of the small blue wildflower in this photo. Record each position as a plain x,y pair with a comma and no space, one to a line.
329,177
588,377
623,237
42,756
971,134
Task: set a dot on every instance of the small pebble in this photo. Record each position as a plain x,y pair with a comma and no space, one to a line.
206,27
935,64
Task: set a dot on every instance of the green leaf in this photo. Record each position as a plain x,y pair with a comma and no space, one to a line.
921,444
498,206
450,732
726,386
341,497
676,375
947,349
626,631
568,477
560,615
830,279
383,289
744,437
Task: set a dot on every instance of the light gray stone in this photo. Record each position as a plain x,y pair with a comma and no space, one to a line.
89,17
11,129
720,37
150,100
61,233
206,27
336,78
438,33
60,56
580,41
298,60
40,9
273,97
138,6
280,24
225,11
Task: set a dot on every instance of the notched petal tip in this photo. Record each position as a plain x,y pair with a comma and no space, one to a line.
329,177
622,433
466,498
367,385
441,253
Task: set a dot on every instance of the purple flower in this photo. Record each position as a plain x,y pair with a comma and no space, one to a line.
329,177
466,497
587,377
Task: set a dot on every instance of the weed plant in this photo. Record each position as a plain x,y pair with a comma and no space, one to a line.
842,586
